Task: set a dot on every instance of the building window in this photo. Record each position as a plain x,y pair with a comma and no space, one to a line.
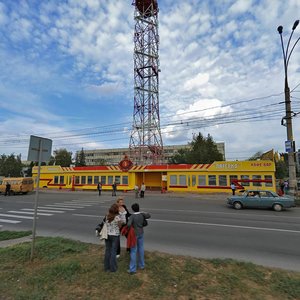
246,178
103,180
201,180
173,180
212,180
110,180
90,179
83,180
96,179
223,180
232,178
193,180
117,179
269,177
182,180
256,177
124,179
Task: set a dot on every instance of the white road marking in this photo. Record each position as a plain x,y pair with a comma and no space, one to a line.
65,205
14,216
50,206
45,210
28,213
226,225
74,204
9,221
206,224
90,216
236,213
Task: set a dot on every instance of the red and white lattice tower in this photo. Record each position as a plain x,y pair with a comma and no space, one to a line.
146,146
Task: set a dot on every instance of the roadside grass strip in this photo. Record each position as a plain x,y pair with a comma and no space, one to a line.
67,269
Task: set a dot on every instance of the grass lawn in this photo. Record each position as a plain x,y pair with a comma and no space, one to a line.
66,269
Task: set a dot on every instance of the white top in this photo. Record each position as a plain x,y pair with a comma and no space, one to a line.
113,226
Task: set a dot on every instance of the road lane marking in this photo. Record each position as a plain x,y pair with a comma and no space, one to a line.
90,216
9,221
205,224
226,225
223,213
28,213
15,216
50,206
65,205
44,210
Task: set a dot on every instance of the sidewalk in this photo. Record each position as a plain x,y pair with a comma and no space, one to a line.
13,242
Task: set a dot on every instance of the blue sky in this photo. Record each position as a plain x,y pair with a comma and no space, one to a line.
66,73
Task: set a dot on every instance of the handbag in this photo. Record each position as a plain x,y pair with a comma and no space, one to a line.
145,222
103,232
99,227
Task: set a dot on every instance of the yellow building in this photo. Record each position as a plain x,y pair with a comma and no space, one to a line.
215,177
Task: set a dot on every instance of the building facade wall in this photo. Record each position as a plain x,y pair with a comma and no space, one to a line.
115,155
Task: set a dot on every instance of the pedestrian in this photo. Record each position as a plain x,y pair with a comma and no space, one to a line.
113,222
99,188
233,188
286,187
136,220
136,191
281,186
125,214
114,189
143,189
7,189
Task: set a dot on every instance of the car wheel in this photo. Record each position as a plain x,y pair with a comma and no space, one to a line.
237,205
277,207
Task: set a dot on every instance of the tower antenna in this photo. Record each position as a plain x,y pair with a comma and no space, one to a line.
146,146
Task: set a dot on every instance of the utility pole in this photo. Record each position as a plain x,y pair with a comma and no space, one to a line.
287,120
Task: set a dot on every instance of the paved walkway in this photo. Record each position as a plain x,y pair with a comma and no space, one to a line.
13,242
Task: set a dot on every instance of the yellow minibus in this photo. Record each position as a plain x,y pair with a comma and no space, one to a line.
18,185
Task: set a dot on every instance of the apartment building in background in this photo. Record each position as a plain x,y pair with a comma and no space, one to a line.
115,155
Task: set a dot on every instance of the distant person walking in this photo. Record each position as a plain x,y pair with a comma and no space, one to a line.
286,187
7,189
114,189
136,191
99,188
143,189
113,222
137,220
233,188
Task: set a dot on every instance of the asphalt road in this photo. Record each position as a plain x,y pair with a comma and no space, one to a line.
185,224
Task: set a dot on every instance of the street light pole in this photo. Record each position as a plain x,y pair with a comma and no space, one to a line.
288,109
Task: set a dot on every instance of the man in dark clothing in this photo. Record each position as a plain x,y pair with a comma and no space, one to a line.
7,189
114,189
99,188
137,220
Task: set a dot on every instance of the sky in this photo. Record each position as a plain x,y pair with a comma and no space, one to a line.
66,73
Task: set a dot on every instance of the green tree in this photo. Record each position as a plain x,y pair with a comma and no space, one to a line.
62,157
282,168
202,150
101,162
10,165
80,159
256,156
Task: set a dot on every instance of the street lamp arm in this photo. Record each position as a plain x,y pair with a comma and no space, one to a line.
292,50
284,57
287,47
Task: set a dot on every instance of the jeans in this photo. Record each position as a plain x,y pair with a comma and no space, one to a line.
137,250
110,259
